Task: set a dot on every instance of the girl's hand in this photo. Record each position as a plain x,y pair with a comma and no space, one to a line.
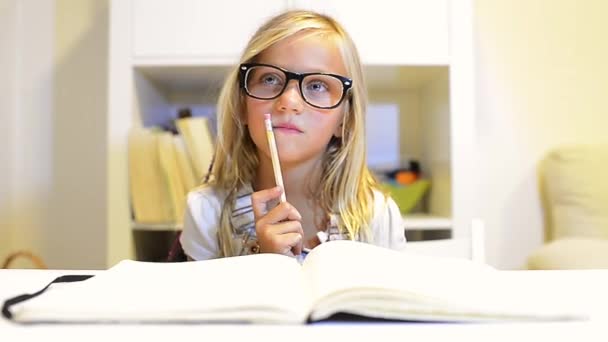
278,230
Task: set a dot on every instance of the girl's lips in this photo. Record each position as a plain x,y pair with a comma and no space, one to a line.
287,128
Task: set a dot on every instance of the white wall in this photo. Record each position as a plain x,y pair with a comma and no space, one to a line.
8,34
27,43
54,61
542,81
80,129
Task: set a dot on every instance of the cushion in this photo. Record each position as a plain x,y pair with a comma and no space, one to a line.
576,191
570,253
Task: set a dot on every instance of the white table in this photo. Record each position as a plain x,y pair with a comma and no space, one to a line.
585,288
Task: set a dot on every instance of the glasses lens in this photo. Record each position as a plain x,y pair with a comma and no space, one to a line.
322,90
264,82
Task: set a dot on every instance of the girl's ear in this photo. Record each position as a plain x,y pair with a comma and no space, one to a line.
339,130
243,109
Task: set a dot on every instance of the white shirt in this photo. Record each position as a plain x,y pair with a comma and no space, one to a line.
199,237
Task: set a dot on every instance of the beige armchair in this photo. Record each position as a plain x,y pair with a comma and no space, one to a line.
574,192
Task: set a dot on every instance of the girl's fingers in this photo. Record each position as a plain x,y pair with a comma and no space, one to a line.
260,199
285,227
279,230
281,237
291,243
282,212
297,243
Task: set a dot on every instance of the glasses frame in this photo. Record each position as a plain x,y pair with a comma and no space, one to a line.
244,69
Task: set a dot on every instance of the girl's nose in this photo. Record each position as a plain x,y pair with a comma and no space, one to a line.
291,100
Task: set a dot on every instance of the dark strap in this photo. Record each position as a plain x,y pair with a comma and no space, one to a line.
6,307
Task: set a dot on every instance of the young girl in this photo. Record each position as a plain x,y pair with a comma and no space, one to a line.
303,69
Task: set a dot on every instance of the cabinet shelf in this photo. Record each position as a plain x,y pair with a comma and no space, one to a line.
156,226
426,222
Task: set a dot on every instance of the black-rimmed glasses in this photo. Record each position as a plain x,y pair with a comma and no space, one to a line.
318,89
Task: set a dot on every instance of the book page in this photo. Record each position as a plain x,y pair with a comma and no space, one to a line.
356,277
343,265
254,288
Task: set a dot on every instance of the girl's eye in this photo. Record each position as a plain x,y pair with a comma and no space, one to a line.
317,86
270,79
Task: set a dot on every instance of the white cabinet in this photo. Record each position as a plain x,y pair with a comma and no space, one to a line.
202,29
407,32
389,32
417,55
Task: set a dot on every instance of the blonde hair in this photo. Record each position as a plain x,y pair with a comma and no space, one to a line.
348,183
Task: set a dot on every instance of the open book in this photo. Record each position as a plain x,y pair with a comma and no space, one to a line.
336,277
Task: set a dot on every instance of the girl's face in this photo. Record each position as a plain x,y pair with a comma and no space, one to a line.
302,131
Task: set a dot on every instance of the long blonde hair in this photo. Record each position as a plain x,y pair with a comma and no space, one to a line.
348,183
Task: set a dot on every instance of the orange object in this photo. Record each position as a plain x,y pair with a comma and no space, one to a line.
406,177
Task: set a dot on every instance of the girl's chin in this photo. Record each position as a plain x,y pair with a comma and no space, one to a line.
294,159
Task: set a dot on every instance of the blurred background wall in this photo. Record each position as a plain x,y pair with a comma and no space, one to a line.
541,82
